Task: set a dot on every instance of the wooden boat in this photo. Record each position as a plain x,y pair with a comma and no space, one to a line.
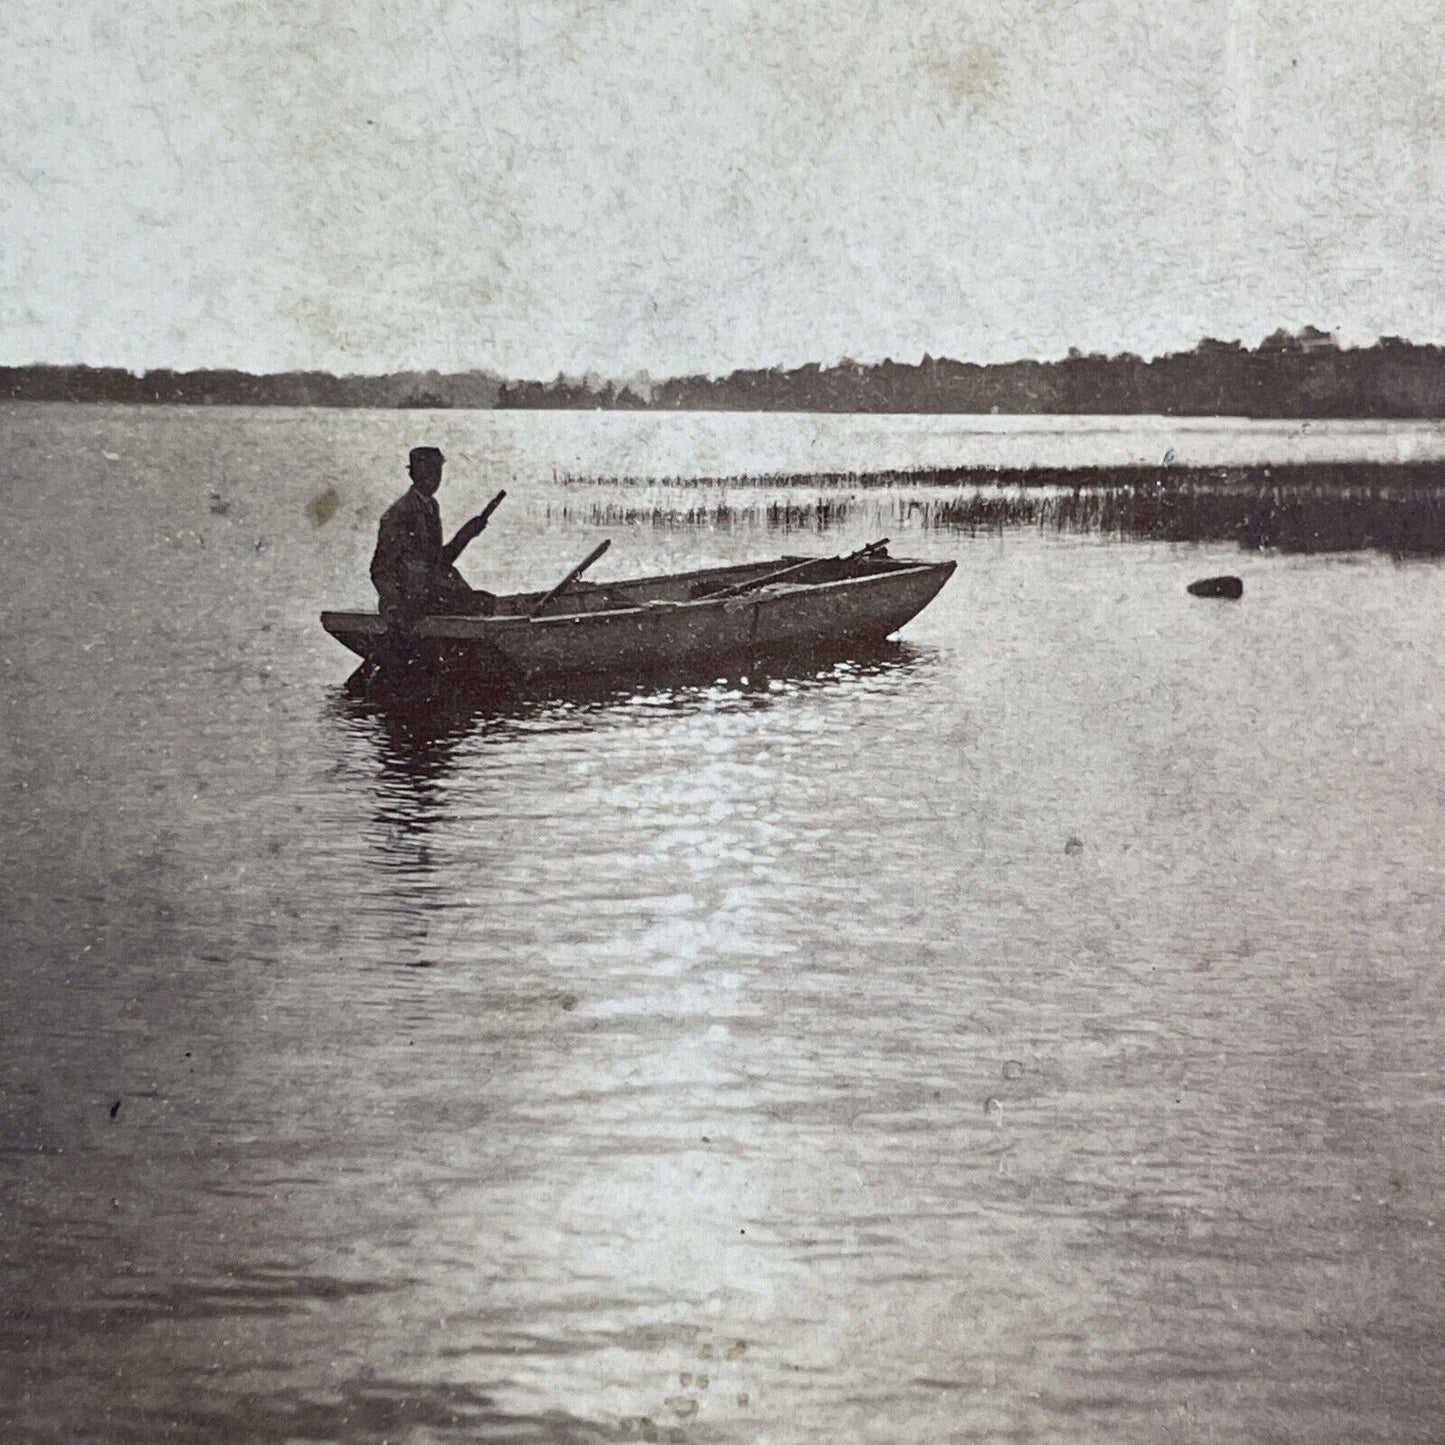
785,605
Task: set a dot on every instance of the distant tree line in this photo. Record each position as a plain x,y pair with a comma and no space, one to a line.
1304,375
240,388
1288,375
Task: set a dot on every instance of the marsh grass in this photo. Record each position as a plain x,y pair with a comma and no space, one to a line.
1398,509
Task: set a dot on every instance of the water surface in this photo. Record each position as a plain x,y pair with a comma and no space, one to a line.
1028,1033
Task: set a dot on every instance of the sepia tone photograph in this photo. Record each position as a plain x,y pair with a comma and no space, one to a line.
721,724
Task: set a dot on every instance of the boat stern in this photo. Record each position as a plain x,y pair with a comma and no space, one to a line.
358,631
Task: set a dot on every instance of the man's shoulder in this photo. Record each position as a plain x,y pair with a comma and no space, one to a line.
410,504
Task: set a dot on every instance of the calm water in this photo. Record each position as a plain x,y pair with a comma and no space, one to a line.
1030,1034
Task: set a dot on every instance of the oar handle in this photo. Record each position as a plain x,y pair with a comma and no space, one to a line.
573,575
493,504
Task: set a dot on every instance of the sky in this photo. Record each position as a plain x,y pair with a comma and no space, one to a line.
619,186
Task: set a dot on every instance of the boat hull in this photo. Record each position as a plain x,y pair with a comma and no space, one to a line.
661,631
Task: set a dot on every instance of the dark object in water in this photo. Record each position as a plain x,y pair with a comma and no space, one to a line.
1231,587
790,604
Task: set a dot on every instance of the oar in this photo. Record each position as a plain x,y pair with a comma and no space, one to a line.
493,504
572,576
740,587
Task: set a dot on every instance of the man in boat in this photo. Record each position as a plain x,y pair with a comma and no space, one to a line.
412,568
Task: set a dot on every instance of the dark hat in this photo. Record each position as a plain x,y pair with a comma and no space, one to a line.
425,454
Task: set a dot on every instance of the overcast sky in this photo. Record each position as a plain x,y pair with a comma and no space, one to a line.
679,186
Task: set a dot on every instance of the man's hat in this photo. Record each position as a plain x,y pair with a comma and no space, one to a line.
425,454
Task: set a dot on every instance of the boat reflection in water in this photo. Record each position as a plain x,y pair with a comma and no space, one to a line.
417,733
452,772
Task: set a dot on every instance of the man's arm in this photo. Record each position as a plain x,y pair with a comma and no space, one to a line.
466,534
401,566
386,560
471,530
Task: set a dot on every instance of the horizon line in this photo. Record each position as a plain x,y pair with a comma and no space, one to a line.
1307,337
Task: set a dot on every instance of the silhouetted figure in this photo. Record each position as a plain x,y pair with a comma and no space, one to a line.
412,568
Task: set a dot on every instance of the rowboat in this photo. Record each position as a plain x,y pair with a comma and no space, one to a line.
783,606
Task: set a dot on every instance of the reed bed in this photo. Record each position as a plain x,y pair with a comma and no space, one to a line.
1287,519
1292,510
777,516
1371,476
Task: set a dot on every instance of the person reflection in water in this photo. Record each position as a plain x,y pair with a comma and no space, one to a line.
412,569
